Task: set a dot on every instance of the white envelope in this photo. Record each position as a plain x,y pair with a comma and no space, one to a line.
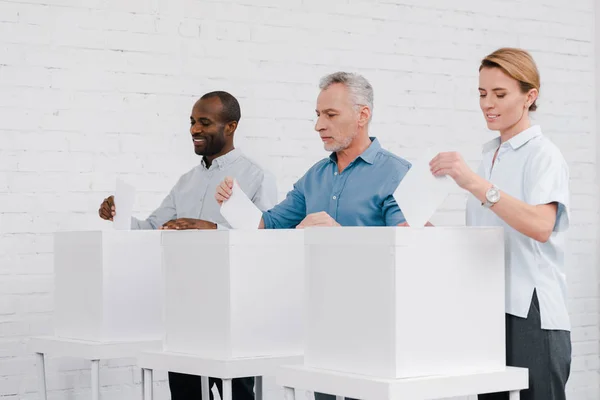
420,193
239,211
124,199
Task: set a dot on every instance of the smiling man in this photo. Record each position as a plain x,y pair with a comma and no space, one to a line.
191,203
354,186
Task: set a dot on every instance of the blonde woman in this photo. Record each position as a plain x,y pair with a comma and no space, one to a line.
522,185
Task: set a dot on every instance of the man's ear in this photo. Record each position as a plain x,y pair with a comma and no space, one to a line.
230,128
365,116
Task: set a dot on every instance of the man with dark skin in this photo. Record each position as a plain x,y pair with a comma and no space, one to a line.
191,204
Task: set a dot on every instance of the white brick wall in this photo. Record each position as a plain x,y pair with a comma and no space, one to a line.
90,90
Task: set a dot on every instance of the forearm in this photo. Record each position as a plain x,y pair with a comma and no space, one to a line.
531,220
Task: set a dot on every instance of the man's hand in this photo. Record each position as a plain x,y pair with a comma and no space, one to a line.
187,223
107,208
224,190
317,219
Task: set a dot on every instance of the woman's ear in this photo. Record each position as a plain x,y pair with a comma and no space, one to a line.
532,96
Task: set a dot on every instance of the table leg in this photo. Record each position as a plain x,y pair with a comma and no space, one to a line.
95,379
148,384
41,370
227,389
514,395
205,388
289,393
258,387
143,385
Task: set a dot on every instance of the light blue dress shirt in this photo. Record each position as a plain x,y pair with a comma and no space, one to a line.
361,195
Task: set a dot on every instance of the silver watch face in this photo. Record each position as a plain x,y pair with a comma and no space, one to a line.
493,195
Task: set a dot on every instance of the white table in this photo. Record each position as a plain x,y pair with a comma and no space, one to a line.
222,369
343,385
93,351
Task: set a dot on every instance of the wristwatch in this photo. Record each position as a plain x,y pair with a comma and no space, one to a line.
492,196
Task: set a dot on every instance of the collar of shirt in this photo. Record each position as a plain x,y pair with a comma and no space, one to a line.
516,141
367,156
224,160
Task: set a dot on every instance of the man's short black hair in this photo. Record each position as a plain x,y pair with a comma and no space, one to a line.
231,107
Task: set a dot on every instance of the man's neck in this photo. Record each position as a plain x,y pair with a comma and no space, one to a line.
208,160
356,148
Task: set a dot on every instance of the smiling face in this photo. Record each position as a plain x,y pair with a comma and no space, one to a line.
504,105
209,132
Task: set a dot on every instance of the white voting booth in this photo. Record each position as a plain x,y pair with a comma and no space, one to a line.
108,298
234,293
108,285
405,302
399,312
234,305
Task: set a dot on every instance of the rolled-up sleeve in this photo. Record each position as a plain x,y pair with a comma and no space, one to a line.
547,181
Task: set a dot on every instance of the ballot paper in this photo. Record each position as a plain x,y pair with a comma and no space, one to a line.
420,193
124,198
215,392
239,211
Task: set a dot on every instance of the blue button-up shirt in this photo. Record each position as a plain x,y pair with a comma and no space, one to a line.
361,195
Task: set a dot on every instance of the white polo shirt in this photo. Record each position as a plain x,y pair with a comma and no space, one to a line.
532,169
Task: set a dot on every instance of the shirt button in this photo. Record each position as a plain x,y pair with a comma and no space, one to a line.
334,197
335,173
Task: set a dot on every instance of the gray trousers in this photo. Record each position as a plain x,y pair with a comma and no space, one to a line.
546,353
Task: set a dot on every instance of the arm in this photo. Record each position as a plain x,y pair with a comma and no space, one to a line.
534,221
546,190
287,214
165,212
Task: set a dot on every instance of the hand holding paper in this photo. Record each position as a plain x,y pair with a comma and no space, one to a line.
420,193
239,211
453,165
124,198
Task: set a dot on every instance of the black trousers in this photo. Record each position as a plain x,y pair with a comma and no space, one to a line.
189,387
546,353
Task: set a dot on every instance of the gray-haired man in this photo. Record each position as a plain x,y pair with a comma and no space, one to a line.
354,186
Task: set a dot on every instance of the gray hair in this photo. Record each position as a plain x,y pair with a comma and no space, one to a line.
360,89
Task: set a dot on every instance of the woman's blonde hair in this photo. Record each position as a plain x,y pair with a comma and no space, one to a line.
519,65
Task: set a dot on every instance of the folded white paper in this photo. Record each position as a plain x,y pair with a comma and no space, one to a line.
239,211
124,198
215,392
420,193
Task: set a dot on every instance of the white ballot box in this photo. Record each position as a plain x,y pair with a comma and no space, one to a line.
405,302
234,293
108,285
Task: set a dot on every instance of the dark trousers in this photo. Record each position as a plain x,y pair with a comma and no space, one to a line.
189,387
546,353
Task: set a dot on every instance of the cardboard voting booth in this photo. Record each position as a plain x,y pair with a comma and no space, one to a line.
405,302
234,293
108,285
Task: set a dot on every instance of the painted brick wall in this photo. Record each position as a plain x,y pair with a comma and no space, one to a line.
94,90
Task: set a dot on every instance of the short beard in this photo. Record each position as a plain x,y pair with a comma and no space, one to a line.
343,145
